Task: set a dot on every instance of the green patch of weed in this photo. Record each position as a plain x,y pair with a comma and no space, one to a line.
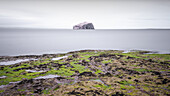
102,86
140,70
56,88
161,57
78,67
21,89
46,91
123,82
61,72
70,78
1,91
98,71
107,61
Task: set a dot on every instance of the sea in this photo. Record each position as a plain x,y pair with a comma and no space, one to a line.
21,41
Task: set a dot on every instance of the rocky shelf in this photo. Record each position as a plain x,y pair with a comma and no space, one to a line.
87,72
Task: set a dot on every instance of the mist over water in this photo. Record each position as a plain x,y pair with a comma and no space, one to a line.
44,41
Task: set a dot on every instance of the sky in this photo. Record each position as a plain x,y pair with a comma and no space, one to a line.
104,14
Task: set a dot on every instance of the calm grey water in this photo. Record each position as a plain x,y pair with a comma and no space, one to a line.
41,41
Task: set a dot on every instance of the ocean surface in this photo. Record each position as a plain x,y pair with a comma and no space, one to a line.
46,41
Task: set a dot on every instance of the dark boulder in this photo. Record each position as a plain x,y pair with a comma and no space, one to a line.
75,93
87,74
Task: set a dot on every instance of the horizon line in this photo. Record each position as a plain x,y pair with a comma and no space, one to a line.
73,29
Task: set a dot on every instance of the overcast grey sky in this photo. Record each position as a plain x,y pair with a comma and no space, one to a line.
104,14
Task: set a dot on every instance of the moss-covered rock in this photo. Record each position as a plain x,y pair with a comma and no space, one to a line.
116,73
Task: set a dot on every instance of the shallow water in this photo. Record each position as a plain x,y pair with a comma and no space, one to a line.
43,41
47,76
34,71
58,58
2,77
97,80
3,86
14,62
14,82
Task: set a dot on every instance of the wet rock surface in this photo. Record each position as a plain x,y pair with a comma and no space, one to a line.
89,73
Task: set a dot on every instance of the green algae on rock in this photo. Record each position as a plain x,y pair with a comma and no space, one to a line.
132,73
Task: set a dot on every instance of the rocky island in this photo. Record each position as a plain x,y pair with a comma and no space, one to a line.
87,73
83,25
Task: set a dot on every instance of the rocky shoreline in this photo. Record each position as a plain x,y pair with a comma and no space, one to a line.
87,72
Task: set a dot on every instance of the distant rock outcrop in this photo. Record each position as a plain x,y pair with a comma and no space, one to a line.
83,25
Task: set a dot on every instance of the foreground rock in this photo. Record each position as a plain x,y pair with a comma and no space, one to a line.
83,25
89,73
